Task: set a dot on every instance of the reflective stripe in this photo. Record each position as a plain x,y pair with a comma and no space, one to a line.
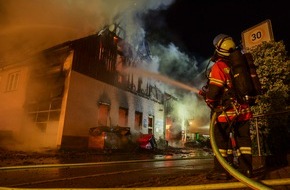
216,82
223,155
245,114
245,150
238,152
228,113
230,151
223,152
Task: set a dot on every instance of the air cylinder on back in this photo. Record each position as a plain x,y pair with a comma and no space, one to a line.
241,74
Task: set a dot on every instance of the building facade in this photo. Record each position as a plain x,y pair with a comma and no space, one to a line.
66,90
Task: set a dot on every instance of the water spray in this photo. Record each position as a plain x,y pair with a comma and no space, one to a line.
144,73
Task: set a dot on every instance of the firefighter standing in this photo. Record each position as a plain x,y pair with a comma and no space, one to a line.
232,117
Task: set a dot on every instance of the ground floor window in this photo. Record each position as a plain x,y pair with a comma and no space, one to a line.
103,114
151,124
123,117
138,120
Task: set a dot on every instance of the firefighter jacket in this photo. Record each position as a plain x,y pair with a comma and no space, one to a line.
220,95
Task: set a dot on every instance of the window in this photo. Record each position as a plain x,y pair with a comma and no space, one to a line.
123,117
119,68
103,114
12,81
151,124
138,120
42,114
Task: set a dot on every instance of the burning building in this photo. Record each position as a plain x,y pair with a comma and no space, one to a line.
66,90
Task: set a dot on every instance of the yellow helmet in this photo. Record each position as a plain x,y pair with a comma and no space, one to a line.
224,44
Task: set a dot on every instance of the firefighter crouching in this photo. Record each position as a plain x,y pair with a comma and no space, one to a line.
231,128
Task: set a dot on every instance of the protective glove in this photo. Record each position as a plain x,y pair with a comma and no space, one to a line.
203,91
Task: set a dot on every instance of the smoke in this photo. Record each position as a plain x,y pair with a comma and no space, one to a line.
31,26
132,19
185,70
174,63
193,108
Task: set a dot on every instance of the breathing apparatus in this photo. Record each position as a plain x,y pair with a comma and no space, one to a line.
246,84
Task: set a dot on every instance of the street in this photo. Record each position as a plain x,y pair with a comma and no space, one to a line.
134,173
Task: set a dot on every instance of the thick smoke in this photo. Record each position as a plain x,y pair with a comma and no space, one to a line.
175,63
31,26
28,27
186,70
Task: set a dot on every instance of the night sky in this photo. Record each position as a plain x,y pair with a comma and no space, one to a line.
192,24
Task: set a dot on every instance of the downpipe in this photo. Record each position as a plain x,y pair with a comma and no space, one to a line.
236,174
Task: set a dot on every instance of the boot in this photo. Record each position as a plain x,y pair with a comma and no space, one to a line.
248,173
218,175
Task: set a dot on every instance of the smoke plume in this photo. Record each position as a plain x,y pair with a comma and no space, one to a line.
31,26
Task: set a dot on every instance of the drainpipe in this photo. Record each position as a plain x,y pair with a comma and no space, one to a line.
258,137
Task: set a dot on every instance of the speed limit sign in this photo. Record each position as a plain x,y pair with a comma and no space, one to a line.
257,34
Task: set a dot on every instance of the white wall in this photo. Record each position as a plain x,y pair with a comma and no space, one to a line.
12,102
82,106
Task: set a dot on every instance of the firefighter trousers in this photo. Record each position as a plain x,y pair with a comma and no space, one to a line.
242,148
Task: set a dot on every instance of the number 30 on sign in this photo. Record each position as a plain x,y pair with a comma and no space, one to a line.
257,34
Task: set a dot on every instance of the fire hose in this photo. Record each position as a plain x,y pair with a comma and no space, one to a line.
236,174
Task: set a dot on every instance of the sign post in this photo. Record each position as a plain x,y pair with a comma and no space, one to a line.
257,34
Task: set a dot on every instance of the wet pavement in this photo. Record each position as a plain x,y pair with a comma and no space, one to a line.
14,158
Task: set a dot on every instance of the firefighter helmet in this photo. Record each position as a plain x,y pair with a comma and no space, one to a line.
223,44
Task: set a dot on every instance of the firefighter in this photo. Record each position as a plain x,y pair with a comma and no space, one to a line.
232,117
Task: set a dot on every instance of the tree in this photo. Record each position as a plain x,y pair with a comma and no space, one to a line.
273,104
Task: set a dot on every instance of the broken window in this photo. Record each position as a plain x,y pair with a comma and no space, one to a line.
123,117
138,121
103,114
